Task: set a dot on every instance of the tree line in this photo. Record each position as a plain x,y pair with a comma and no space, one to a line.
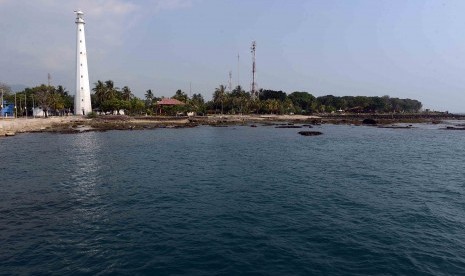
52,100
279,102
107,98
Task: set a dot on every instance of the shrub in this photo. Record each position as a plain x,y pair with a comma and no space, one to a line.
92,115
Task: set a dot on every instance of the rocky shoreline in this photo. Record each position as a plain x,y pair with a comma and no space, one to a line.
78,124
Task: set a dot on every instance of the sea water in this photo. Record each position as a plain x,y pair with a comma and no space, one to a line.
237,200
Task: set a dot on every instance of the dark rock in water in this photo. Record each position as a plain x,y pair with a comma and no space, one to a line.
454,128
397,127
310,133
309,126
253,126
67,131
288,126
369,122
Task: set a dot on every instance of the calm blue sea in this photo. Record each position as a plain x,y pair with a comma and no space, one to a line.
234,201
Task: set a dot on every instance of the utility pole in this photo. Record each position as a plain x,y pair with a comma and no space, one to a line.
25,103
3,116
49,78
254,89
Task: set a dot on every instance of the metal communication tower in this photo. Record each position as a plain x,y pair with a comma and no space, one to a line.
254,88
230,83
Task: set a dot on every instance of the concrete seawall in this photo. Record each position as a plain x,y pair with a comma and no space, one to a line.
74,124
32,124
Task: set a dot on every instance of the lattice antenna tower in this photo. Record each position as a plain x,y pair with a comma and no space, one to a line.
230,81
254,70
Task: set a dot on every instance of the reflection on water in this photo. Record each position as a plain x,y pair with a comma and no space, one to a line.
83,158
84,179
90,210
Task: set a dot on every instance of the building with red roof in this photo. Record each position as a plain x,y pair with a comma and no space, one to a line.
167,101
166,104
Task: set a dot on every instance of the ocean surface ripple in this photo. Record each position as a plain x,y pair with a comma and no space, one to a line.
236,200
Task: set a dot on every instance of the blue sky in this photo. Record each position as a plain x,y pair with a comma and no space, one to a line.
407,49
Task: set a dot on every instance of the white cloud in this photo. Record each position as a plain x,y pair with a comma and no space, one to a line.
109,8
160,5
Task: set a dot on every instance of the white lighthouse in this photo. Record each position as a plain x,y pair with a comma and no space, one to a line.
82,104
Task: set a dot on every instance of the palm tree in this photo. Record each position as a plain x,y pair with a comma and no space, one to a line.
66,99
111,90
100,92
127,94
61,90
148,98
180,96
272,106
218,96
198,103
148,94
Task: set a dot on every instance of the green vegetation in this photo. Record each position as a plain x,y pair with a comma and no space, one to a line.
107,98
278,102
52,100
92,115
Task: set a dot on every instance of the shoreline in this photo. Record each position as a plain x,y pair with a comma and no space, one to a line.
78,124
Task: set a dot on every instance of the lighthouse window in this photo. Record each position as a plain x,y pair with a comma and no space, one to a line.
82,88
80,41
81,76
80,52
81,64
79,29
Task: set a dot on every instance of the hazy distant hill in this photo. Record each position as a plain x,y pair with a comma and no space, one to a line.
17,87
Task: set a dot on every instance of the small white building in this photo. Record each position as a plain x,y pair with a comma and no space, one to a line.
38,112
